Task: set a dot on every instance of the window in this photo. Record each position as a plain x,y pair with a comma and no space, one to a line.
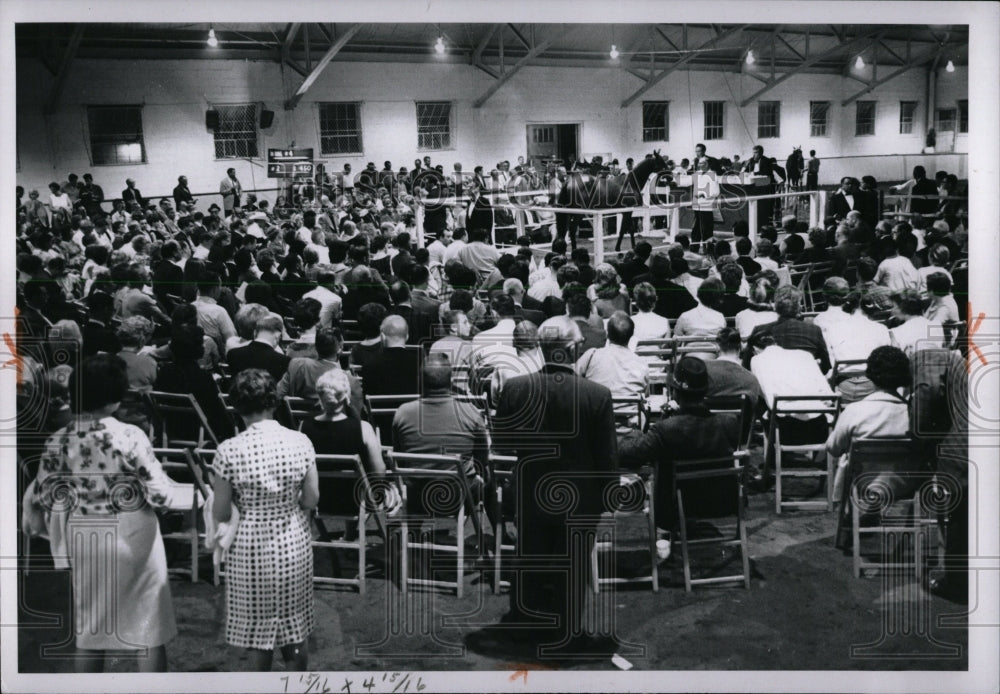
946,118
340,128
864,118
819,113
236,137
715,120
769,119
434,125
116,135
907,109
655,121
963,115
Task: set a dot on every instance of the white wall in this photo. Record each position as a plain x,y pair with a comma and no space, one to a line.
176,94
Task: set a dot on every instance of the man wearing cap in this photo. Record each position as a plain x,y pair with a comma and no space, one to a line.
230,190
689,431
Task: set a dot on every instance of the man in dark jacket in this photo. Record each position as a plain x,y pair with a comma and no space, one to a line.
260,353
789,331
395,370
671,298
562,429
851,197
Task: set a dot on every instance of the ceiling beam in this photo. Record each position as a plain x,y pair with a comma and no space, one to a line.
806,63
893,53
307,47
321,65
918,60
658,77
632,71
327,34
533,53
64,65
520,37
666,38
790,47
477,54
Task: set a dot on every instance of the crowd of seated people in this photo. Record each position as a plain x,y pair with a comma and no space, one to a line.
338,303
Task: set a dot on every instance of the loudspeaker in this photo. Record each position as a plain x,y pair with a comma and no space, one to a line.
212,119
266,118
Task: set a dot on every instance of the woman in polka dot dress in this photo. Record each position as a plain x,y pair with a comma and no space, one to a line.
269,472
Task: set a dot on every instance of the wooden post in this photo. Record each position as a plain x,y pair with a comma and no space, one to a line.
752,221
598,223
675,223
420,223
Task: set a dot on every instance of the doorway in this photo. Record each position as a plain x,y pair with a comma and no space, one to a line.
553,141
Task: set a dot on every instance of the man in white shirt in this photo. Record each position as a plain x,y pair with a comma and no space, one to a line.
647,325
896,272
330,302
503,332
835,291
230,190
213,319
438,248
456,245
548,286
615,366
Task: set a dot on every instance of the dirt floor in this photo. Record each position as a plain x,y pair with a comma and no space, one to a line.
804,611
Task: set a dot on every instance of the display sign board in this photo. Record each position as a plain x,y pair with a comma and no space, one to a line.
288,163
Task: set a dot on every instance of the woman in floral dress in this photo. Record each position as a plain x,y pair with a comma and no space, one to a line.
269,473
97,481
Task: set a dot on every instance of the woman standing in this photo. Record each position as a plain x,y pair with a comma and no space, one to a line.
107,470
269,472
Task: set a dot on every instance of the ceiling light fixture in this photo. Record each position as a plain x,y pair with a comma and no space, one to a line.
614,52
859,63
212,41
751,59
950,67
439,45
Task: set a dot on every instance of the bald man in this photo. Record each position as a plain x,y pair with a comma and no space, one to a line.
395,369
562,428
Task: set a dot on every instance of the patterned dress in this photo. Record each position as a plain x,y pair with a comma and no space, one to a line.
100,476
269,569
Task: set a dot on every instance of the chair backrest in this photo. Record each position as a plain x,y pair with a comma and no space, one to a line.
741,407
697,473
349,470
236,417
182,461
627,407
846,366
381,411
447,470
180,420
297,410
805,404
894,465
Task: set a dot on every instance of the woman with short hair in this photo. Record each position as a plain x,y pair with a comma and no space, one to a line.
269,473
607,292
102,477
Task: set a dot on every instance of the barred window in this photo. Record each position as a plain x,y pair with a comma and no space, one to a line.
236,137
963,115
715,120
655,121
819,113
769,119
864,118
907,110
116,135
946,118
340,128
434,125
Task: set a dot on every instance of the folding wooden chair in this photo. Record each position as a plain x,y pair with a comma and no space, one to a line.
381,411
630,411
644,480
722,468
501,477
176,417
826,406
348,470
180,466
446,482
813,290
203,459
885,475
234,416
738,406
298,410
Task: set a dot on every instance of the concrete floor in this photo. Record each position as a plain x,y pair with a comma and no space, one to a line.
804,611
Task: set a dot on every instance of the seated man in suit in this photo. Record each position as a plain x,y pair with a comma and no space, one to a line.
514,288
789,331
168,275
395,370
300,379
261,353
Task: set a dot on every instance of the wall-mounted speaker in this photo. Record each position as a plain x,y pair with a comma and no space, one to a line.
266,118
212,119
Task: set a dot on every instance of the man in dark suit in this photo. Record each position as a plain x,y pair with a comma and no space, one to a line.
671,298
635,264
580,309
562,429
732,277
759,165
426,309
399,292
514,288
98,335
789,331
168,275
851,197
131,194
395,370
261,353
182,193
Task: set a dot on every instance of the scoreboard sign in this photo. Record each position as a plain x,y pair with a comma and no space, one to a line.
287,163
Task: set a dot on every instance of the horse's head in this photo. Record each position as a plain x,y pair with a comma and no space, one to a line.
661,165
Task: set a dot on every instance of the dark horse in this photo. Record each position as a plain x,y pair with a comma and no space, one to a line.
794,166
595,192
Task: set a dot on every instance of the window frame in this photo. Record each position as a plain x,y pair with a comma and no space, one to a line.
665,127
451,144
953,120
912,117
359,127
963,117
721,127
92,149
858,121
256,129
776,125
826,119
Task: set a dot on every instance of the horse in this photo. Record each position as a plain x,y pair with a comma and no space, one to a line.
794,166
596,192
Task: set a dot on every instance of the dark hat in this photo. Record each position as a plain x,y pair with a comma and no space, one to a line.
690,376
213,206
